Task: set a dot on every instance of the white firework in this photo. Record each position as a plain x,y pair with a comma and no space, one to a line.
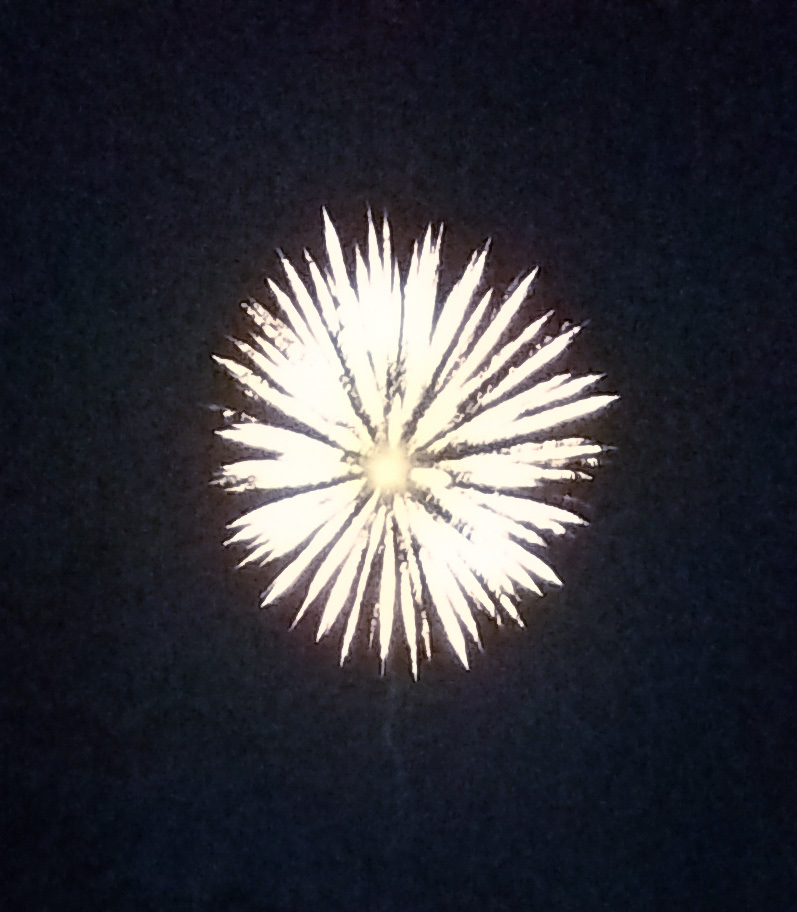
411,435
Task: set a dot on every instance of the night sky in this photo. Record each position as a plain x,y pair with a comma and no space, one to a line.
168,745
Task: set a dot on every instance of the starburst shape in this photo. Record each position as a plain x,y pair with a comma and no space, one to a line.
401,444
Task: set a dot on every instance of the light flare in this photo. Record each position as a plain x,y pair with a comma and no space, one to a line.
388,469
405,482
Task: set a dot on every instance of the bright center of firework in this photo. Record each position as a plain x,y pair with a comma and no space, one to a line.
388,468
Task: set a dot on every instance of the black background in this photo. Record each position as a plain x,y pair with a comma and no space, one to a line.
168,746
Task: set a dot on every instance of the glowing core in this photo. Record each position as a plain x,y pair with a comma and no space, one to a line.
419,437
388,469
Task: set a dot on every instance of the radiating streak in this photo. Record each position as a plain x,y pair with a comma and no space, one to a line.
462,384
493,527
454,309
494,331
323,296
535,363
320,330
490,423
341,588
544,517
510,350
462,343
419,299
279,528
462,503
270,327
279,441
333,562
494,470
449,544
564,451
297,323
291,574
279,474
387,593
445,416
416,583
443,561
290,406
441,595
454,390
374,538
295,510
307,307
408,618
352,331
551,418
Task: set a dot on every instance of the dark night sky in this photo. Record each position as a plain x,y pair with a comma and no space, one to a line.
166,745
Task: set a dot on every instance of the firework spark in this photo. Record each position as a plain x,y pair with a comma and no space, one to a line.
397,478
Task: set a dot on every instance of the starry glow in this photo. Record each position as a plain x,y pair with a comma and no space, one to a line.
387,469
408,446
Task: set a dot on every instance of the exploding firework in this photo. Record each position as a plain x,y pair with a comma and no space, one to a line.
399,443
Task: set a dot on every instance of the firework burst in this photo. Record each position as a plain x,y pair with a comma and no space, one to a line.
410,435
